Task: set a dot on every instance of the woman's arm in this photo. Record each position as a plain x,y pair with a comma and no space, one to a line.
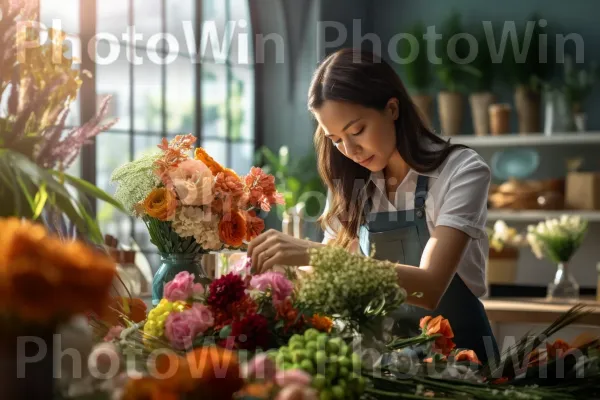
439,263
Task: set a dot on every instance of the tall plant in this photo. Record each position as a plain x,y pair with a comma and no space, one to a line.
35,147
418,72
483,80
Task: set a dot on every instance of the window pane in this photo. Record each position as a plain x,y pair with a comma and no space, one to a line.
181,84
144,144
217,149
112,17
112,151
242,44
182,12
213,31
244,157
113,79
142,237
147,16
241,104
65,11
214,96
147,97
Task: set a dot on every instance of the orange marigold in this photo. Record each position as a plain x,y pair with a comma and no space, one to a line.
232,229
202,155
43,279
161,204
321,323
254,225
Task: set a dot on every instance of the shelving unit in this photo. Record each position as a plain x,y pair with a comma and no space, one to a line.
539,215
537,139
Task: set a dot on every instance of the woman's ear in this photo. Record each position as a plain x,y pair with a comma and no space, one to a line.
393,108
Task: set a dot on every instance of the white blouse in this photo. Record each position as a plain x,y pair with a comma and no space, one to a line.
457,197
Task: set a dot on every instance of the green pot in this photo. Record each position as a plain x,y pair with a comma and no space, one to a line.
171,265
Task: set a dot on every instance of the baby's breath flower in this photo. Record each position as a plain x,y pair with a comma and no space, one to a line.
136,179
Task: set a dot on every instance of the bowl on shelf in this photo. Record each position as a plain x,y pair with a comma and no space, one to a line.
515,163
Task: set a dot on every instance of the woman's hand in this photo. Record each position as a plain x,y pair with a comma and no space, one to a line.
277,248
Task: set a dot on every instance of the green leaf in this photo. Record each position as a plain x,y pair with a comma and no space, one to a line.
89,189
40,200
225,332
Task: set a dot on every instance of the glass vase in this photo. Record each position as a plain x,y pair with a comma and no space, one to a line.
170,265
564,285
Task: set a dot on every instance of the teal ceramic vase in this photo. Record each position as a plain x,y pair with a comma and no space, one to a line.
171,265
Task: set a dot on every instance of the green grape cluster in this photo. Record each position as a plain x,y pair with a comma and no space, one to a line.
332,363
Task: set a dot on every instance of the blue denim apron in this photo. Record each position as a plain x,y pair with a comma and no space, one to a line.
400,237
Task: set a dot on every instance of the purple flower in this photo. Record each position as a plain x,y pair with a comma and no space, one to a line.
279,285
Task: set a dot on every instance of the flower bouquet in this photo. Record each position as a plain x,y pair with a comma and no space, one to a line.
192,205
504,244
558,240
39,85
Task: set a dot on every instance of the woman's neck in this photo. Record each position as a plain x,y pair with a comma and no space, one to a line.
394,173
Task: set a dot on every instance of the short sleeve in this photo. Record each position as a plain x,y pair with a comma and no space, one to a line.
464,205
330,232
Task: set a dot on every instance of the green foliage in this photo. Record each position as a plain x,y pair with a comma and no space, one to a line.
418,72
452,72
294,179
167,240
484,79
578,83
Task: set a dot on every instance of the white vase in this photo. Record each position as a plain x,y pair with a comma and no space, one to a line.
564,285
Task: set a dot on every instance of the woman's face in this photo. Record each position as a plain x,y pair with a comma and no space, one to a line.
364,135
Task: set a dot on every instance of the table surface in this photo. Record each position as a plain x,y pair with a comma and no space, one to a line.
537,310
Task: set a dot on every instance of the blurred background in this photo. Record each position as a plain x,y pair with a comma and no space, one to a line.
236,74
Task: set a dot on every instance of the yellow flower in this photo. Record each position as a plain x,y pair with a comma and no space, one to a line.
155,325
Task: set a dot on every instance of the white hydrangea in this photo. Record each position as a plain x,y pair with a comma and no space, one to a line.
202,225
345,284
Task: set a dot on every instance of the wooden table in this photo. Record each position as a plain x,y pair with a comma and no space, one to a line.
537,311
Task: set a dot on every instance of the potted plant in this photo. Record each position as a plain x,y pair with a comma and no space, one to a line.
452,75
503,255
480,86
578,85
418,73
527,73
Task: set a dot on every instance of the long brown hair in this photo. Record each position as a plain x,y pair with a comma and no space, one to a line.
363,78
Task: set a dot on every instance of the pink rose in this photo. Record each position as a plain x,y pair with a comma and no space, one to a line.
280,286
193,182
182,287
293,377
260,367
182,328
242,266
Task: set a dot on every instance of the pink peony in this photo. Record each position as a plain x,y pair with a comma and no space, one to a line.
241,266
193,183
182,328
182,287
280,286
293,377
113,333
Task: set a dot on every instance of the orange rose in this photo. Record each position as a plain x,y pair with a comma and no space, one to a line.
161,204
467,355
232,229
439,326
254,225
43,279
216,371
321,323
202,155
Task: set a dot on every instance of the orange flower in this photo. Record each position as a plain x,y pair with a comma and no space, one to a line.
500,381
557,349
202,155
254,225
174,373
147,389
125,308
216,371
232,229
258,390
287,313
467,355
228,183
43,279
321,323
161,204
440,327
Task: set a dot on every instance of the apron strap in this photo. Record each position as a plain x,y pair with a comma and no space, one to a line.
421,195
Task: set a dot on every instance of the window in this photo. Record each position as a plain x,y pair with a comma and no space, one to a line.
154,99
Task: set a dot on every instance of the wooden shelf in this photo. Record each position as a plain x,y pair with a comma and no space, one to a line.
540,215
527,140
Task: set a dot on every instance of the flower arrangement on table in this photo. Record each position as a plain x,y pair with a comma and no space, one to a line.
39,85
192,205
558,240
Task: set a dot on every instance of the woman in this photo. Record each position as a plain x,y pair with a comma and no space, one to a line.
396,186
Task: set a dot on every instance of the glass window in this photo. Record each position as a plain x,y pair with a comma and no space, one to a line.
60,14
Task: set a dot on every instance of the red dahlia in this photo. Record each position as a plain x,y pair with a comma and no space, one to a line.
226,290
251,332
